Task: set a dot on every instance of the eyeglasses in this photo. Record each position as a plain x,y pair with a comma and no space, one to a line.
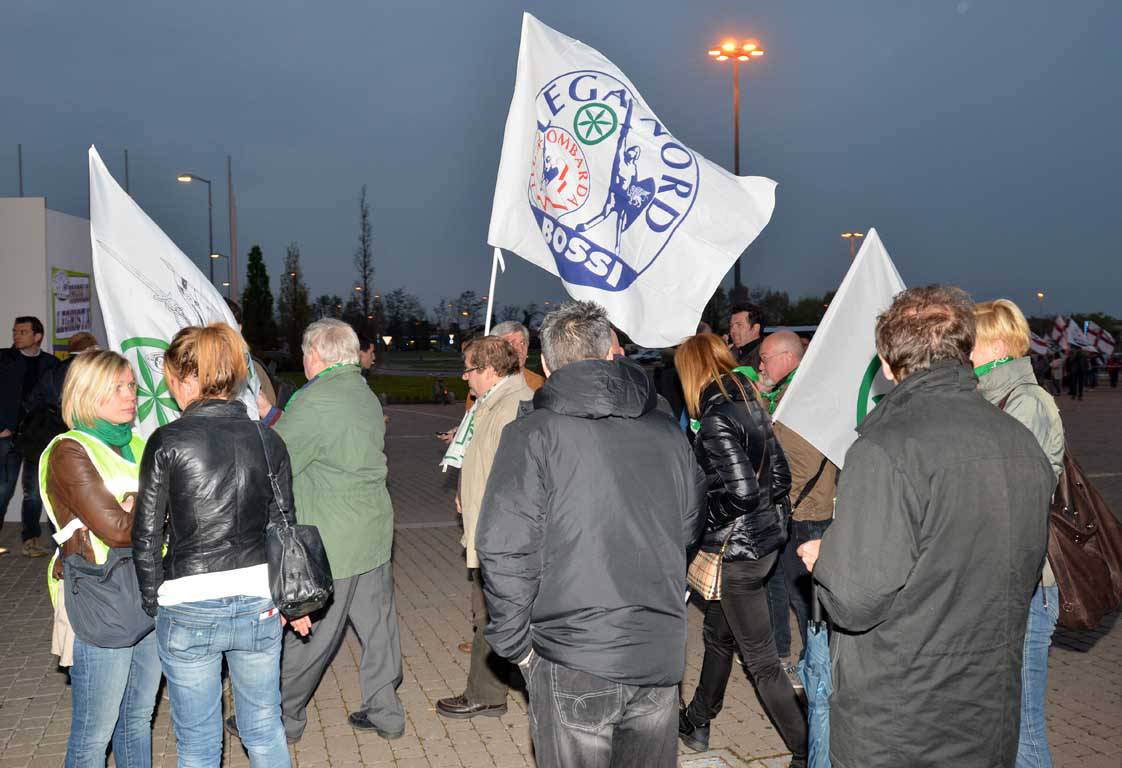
472,370
765,358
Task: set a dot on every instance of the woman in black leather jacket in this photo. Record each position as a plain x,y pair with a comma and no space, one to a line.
748,484
204,481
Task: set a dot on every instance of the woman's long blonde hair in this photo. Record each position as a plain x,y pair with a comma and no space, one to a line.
702,359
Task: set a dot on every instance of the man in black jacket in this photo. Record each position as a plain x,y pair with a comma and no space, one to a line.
746,329
932,559
592,502
20,370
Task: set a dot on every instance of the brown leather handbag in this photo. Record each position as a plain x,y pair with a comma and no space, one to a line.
1084,549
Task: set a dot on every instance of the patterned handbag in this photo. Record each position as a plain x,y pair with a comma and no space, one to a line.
704,573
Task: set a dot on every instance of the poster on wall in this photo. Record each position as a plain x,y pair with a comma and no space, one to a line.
70,305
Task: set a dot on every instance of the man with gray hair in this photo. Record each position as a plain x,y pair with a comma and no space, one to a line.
593,500
335,434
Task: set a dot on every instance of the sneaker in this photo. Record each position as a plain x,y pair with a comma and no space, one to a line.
31,548
461,708
694,736
792,673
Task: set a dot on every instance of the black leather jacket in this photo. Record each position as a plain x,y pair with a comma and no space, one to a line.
729,448
204,482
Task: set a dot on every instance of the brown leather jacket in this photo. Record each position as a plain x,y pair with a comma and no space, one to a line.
76,489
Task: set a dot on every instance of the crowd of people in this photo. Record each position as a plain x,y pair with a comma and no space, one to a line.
584,494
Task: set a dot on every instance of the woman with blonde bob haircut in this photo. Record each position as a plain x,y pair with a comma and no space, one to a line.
90,478
748,480
205,482
1006,379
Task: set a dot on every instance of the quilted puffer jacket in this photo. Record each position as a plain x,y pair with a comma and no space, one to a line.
729,446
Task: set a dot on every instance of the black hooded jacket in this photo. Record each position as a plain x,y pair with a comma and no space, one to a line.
742,509
593,500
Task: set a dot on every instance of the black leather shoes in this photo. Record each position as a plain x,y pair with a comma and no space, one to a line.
459,708
360,721
696,737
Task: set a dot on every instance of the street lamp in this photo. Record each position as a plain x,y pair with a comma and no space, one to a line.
852,238
187,178
736,52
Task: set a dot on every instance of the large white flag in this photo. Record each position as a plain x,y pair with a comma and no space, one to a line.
148,290
839,380
1100,338
595,189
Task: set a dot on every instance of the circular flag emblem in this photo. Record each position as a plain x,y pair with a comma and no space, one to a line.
152,397
595,122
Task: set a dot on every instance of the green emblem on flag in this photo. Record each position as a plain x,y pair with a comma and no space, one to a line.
151,389
594,122
866,400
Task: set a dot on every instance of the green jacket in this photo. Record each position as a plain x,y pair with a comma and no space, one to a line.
335,435
1031,405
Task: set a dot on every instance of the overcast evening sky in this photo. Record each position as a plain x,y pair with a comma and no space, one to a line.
983,138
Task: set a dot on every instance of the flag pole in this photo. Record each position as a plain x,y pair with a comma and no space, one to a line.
496,263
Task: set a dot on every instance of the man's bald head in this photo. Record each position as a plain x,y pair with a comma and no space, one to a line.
780,353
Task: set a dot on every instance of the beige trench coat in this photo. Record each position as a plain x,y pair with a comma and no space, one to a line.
491,416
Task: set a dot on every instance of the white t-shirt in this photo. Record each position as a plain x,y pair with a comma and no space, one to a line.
252,582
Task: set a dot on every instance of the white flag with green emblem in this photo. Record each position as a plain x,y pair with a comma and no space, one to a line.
148,290
839,380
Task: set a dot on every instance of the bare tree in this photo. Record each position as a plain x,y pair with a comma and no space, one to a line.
364,259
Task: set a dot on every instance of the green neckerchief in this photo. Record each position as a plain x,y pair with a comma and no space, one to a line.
982,370
772,397
313,380
746,370
116,435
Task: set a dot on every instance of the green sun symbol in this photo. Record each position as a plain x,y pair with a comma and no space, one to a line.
595,122
150,393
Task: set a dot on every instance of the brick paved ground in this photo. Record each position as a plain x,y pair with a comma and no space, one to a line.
1085,697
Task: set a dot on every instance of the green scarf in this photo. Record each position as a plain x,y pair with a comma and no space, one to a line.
982,370
116,435
772,397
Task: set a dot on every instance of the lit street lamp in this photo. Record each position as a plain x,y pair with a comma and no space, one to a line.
736,53
852,237
187,178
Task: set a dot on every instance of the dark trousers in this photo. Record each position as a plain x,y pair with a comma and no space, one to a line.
13,467
489,672
739,622
366,601
779,607
1075,384
798,577
1113,378
578,720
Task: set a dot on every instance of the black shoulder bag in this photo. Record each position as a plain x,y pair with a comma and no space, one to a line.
299,573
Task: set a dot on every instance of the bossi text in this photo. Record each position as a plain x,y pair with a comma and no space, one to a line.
596,140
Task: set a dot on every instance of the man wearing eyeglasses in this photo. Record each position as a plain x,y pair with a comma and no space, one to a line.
493,372
813,479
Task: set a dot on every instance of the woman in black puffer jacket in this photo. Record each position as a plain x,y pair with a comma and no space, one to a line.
748,482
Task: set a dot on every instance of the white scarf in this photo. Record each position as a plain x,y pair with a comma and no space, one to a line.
454,456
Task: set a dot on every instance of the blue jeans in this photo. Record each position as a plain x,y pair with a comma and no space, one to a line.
113,692
1032,749
193,638
10,472
579,720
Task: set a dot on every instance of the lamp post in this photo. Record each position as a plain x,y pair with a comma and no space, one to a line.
852,237
736,52
187,178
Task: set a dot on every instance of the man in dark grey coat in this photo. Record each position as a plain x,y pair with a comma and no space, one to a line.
592,502
931,562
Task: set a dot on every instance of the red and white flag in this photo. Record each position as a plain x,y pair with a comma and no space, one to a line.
1037,345
1100,337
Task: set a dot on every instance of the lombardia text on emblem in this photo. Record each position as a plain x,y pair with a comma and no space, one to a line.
588,122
